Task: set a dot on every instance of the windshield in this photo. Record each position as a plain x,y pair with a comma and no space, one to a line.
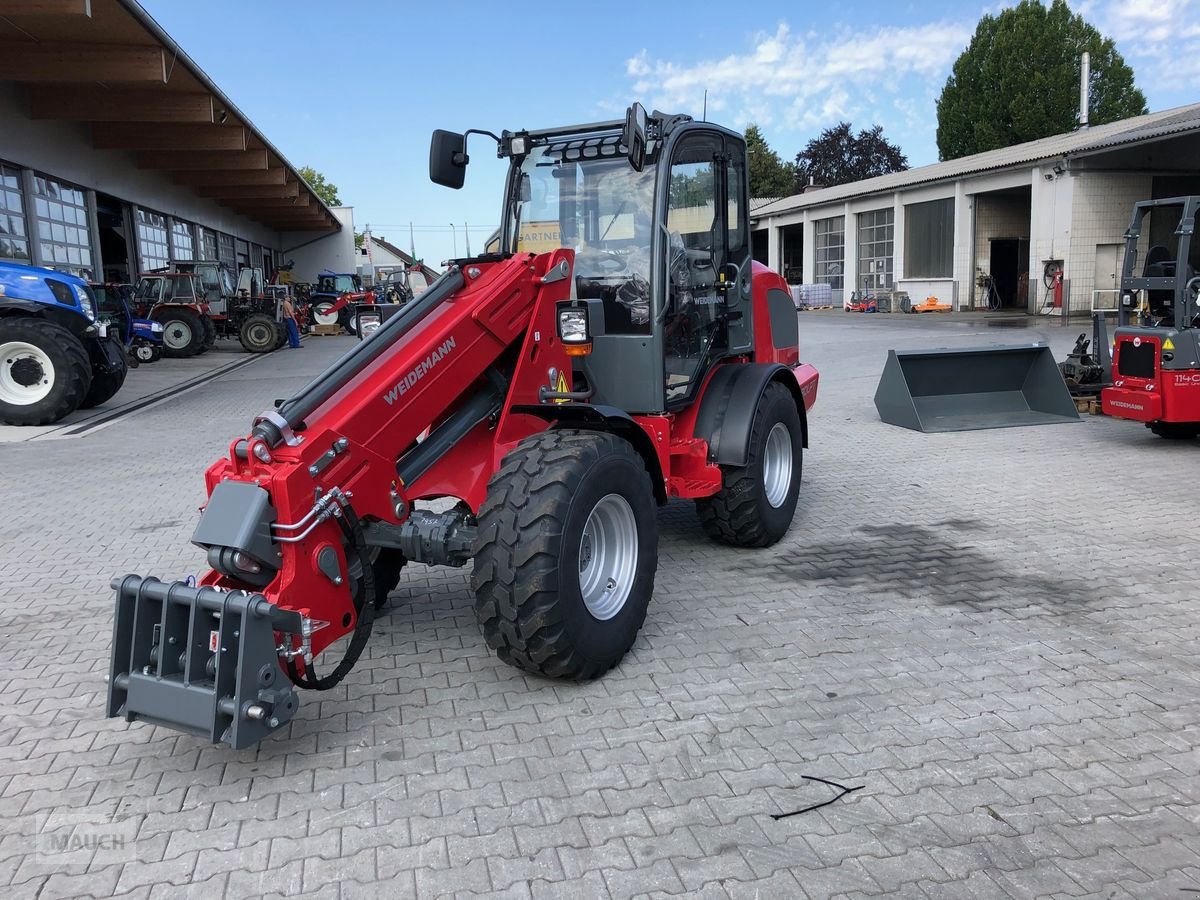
603,210
216,280
148,289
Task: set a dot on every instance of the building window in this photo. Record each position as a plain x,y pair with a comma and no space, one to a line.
243,254
929,239
152,240
182,240
208,244
875,234
830,245
227,253
62,224
14,241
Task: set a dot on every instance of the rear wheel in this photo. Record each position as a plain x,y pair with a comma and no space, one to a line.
260,333
183,332
566,554
105,384
41,379
757,502
1176,431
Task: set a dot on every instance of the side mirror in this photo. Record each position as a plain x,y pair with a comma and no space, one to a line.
634,136
448,158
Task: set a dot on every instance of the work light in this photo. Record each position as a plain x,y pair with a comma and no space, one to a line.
573,330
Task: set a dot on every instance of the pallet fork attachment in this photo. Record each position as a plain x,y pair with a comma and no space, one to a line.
200,660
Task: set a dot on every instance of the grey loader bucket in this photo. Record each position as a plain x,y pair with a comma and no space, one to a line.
971,389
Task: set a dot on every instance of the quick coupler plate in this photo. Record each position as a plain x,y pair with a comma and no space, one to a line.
199,660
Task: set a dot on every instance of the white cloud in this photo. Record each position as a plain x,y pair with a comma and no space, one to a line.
802,82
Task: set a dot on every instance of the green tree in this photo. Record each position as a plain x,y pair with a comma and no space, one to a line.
1018,80
326,190
839,156
769,175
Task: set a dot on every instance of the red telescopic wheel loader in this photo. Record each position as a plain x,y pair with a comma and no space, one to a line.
620,350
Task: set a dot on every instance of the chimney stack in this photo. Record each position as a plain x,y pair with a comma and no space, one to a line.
1085,77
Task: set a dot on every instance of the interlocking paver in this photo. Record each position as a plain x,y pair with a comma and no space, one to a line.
971,626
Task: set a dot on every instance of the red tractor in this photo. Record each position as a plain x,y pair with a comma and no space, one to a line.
335,299
526,414
177,300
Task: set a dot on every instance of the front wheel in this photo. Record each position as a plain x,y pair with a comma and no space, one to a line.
42,378
566,554
260,333
757,502
106,384
1176,431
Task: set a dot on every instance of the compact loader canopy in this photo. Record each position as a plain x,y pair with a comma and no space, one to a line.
973,389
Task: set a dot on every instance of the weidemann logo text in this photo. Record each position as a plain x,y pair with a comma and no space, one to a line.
409,381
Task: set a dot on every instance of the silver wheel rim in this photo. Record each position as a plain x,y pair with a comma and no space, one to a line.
608,555
322,316
177,334
352,324
777,465
19,354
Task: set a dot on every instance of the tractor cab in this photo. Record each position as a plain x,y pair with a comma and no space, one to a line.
216,280
655,209
159,288
1156,352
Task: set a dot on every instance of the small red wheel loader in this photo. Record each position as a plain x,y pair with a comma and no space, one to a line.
1156,353
526,414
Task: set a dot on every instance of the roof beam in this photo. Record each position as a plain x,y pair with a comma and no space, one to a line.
300,201
84,63
249,191
172,136
203,161
38,9
89,103
220,178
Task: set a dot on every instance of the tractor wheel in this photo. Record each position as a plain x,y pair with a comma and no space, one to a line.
41,379
210,333
566,554
105,385
1176,431
259,333
348,318
183,332
756,503
321,314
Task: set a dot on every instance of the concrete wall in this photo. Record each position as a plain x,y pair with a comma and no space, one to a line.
64,150
311,254
1103,207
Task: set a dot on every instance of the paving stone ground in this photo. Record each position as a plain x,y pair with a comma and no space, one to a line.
993,634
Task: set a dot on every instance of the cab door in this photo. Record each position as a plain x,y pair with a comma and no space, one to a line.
705,310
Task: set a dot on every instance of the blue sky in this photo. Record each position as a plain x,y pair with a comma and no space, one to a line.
354,89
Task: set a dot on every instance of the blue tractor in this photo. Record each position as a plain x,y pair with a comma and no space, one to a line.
55,357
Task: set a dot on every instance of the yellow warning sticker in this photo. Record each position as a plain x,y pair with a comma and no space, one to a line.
1168,344
562,387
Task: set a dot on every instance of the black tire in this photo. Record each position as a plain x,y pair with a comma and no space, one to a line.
210,333
259,333
1176,431
387,568
742,513
67,379
528,596
183,332
105,384
348,319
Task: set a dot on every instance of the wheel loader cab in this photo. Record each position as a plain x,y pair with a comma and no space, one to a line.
662,252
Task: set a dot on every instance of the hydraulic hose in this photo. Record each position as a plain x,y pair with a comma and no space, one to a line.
364,607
